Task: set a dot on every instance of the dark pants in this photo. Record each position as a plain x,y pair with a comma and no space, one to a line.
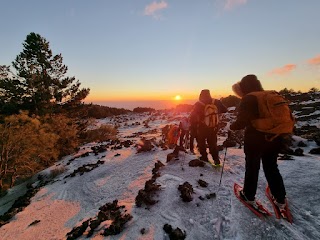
193,136
208,136
257,148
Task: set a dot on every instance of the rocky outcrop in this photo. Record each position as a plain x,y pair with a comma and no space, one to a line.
186,191
109,211
85,168
146,195
174,234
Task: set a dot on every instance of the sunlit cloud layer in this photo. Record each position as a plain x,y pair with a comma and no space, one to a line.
154,8
284,70
314,61
230,4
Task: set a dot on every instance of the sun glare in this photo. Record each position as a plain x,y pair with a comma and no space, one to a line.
178,97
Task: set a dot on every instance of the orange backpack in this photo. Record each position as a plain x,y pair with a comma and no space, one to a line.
173,135
275,114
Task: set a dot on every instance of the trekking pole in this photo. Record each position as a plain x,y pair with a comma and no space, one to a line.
224,160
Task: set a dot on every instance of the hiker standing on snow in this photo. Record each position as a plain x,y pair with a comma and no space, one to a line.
193,130
173,135
207,111
258,145
184,126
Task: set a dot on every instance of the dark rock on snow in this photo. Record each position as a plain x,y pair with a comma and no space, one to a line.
109,211
186,191
315,151
174,234
202,183
196,163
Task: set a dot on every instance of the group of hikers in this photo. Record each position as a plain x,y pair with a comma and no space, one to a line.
266,118
201,125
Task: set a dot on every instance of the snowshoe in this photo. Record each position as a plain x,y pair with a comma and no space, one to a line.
255,206
280,210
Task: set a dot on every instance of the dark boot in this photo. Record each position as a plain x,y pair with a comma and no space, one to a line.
217,162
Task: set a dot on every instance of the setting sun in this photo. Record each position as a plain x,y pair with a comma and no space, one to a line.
178,97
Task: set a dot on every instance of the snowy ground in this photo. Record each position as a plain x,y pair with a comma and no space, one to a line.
66,203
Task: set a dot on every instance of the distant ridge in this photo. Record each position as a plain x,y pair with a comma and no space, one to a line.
156,104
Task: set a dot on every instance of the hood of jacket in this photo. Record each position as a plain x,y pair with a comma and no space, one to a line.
248,84
205,96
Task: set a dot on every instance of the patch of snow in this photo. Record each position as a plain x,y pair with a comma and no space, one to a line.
67,202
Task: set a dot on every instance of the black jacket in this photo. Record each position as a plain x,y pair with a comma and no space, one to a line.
247,111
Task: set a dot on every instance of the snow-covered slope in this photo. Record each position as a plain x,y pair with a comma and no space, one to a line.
67,202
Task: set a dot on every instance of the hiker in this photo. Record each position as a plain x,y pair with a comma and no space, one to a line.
258,145
173,135
184,126
165,132
193,130
207,111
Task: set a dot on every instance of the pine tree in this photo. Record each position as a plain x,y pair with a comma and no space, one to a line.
11,92
41,75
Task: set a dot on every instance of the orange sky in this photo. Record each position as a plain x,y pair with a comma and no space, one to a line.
95,96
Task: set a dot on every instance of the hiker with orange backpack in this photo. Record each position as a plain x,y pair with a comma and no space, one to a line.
207,111
173,135
266,117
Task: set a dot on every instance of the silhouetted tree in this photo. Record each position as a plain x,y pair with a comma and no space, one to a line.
313,90
11,92
40,77
286,91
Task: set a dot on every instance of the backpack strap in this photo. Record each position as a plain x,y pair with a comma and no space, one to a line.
212,113
270,138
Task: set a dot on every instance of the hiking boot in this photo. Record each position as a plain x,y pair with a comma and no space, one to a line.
281,205
282,208
255,204
243,196
217,162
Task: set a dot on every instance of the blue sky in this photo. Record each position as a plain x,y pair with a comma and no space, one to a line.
143,50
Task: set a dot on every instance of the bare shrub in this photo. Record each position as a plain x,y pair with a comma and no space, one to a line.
26,146
103,133
56,172
67,131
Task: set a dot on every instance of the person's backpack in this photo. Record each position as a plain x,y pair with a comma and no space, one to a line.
173,135
211,117
165,131
275,115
